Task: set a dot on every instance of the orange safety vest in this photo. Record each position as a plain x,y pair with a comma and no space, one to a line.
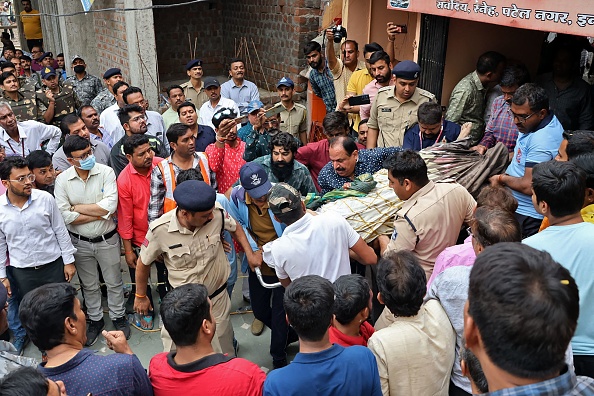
168,173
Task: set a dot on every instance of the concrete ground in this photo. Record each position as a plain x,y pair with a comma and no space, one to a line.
147,344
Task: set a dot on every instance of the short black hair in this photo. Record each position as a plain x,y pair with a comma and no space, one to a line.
5,75
183,310
4,65
351,297
134,141
489,61
402,282
525,306
11,163
372,47
26,381
82,108
562,185
234,60
346,142
61,54
536,96
68,120
124,112
579,142
475,370
186,104
363,122
309,304
515,75
336,120
74,143
312,46
378,56
494,225
429,113
26,57
284,140
407,164
42,313
118,85
497,197
39,159
129,91
188,174
171,88
175,131
586,163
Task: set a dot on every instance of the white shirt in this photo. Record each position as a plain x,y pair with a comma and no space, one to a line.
110,122
34,234
31,135
156,127
100,188
313,245
207,111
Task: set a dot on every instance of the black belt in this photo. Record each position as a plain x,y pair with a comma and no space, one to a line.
96,239
218,291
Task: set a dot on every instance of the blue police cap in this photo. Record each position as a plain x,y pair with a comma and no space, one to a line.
114,71
193,63
254,180
286,81
407,70
194,196
47,71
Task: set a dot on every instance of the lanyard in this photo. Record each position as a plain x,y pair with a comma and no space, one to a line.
436,140
22,146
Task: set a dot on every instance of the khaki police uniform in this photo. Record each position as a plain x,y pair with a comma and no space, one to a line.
26,107
67,102
195,257
392,118
197,97
430,221
294,121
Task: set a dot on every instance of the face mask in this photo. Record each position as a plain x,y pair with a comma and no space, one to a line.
88,163
79,68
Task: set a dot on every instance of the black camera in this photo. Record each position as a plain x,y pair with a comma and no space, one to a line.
339,33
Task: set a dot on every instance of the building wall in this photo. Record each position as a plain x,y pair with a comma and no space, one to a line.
110,33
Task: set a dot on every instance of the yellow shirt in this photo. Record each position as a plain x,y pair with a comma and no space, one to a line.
359,79
31,25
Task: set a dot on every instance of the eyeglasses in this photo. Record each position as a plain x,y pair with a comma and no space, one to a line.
85,155
522,118
22,179
224,113
138,118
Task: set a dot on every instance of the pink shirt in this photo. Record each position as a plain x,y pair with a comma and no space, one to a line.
225,162
453,256
371,90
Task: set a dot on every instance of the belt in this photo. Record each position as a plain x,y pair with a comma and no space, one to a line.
96,239
218,291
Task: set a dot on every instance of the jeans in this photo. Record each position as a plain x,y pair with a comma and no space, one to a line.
14,323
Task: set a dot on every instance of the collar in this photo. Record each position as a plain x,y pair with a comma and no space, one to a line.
192,86
135,172
477,81
413,198
84,77
6,136
6,201
197,365
545,121
315,357
360,65
174,224
299,223
243,84
416,96
562,385
20,96
250,201
74,174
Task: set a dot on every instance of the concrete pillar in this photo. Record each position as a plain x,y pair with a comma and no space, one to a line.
52,38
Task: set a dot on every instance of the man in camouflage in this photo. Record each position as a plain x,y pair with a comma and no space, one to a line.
29,75
86,86
58,100
25,104
106,97
24,84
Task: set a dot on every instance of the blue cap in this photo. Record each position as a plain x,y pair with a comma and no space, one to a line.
114,71
48,71
286,81
193,63
210,82
254,105
194,196
254,180
45,55
407,70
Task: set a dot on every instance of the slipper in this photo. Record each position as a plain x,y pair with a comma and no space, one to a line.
143,323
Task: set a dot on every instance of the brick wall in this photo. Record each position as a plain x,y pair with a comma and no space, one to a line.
110,32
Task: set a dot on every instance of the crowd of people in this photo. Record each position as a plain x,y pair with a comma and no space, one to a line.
467,295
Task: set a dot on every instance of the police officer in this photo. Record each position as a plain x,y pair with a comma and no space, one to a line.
24,104
189,238
194,89
86,86
58,99
106,98
394,109
294,115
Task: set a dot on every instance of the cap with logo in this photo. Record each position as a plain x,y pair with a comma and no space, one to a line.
47,71
254,105
45,55
114,71
210,82
407,70
194,196
254,180
193,63
286,81
283,198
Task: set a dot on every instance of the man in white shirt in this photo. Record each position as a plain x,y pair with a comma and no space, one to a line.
215,102
20,138
311,245
109,117
87,196
154,121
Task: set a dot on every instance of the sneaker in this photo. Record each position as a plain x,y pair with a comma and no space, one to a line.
257,327
20,344
276,364
94,328
123,325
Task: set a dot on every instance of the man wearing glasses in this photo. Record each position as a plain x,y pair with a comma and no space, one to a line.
540,136
33,233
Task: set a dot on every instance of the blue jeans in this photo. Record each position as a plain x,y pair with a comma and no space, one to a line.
14,323
232,257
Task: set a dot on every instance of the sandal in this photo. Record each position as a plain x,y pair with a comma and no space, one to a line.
143,323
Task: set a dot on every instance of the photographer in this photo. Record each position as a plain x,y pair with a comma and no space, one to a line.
342,68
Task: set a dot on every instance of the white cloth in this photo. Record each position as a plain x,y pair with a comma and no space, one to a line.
111,123
31,134
34,234
313,245
100,188
207,111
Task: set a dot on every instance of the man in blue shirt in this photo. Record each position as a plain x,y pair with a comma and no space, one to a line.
320,77
540,136
238,89
321,368
430,129
559,189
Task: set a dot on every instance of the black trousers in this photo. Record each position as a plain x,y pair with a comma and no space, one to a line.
455,391
528,225
28,279
584,365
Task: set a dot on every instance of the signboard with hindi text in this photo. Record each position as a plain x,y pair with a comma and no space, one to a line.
560,16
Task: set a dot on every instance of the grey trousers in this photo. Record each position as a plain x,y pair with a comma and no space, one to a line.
107,255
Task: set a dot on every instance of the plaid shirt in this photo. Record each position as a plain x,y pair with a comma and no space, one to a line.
566,384
323,86
501,127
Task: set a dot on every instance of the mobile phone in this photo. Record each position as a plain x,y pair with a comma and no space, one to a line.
359,100
274,111
241,120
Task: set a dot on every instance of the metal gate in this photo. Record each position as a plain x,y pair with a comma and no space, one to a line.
432,52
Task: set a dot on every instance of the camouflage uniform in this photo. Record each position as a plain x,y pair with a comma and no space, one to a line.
67,102
27,85
256,143
33,80
27,107
11,361
87,88
103,100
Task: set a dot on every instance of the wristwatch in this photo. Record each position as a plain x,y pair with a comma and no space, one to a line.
72,208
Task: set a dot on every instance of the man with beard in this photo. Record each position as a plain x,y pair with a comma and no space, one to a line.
154,121
431,129
237,88
214,103
342,68
91,119
29,75
257,132
176,96
60,99
501,127
320,77
86,86
280,164
294,115
381,69
203,134
348,162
